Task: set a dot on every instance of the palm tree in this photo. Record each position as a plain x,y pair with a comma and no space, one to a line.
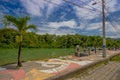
21,26
6,23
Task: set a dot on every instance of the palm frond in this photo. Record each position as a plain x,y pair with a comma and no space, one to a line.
31,26
23,22
6,23
11,19
20,23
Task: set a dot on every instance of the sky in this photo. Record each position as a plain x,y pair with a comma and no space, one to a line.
66,17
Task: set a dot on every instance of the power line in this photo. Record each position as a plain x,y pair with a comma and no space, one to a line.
64,7
74,4
100,1
61,7
107,18
111,21
109,1
116,29
91,10
90,6
103,22
79,5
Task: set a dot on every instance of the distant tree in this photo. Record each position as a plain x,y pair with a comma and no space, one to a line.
30,40
21,26
41,41
7,38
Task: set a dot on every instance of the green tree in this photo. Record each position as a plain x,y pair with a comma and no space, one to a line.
21,24
7,38
30,40
41,41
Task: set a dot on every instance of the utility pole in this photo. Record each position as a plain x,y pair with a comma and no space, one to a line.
103,24
103,28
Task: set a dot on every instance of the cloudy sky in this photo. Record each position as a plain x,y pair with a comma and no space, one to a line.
66,17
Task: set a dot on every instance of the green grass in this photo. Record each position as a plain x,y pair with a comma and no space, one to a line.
116,58
8,56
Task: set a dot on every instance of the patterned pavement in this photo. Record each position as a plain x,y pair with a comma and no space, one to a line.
12,74
41,70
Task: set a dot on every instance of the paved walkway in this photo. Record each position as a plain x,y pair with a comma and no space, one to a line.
41,70
111,71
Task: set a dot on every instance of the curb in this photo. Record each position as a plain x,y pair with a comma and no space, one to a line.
65,74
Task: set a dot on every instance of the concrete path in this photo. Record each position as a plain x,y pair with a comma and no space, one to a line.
111,71
42,70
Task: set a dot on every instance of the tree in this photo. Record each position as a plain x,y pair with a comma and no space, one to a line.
21,26
7,38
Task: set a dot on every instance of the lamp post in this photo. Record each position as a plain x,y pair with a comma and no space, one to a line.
103,28
103,24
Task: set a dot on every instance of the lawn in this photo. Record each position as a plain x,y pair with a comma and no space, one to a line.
8,56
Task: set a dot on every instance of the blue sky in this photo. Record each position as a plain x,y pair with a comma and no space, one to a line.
59,17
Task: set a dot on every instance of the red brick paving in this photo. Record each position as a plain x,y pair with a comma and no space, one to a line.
71,66
15,74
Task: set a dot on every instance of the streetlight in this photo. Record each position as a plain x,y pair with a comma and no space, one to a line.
103,27
103,23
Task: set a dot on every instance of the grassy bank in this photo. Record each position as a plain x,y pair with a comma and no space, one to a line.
8,56
116,58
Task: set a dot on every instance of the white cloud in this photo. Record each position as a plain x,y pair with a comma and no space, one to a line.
53,28
70,23
112,29
94,26
35,7
31,7
114,36
83,24
44,30
111,5
87,11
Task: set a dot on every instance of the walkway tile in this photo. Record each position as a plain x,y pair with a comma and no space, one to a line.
35,74
13,74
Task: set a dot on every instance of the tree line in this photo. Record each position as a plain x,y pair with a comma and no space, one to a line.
8,39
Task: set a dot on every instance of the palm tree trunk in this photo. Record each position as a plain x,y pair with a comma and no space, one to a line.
19,64
19,55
